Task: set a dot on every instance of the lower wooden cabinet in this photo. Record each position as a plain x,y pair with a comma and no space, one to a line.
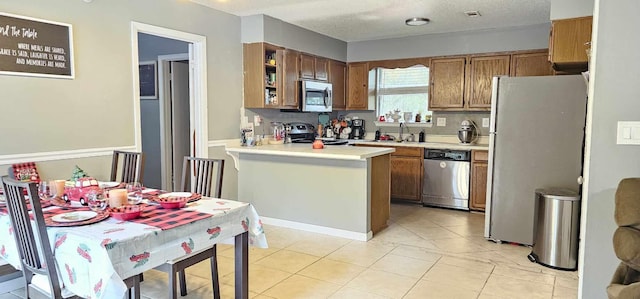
406,165
406,178
479,169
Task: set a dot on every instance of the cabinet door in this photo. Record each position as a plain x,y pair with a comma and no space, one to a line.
357,84
478,185
337,77
570,38
307,68
447,83
531,64
481,73
289,86
321,69
406,178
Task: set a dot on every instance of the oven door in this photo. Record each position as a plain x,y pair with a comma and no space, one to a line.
316,96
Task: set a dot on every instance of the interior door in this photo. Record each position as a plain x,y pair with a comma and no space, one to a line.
180,122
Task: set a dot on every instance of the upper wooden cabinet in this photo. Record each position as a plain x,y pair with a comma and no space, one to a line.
358,86
447,83
464,83
288,88
481,71
322,69
531,64
568,43
314,68
261,80
338,77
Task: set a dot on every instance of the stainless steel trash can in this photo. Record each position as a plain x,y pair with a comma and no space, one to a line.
557,218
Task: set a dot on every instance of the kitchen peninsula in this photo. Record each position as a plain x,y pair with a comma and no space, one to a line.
339,190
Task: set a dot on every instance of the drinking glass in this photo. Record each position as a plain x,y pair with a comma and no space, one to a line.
46,190
134,190
97,201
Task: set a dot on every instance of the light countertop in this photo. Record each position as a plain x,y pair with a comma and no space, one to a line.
434,145
338,152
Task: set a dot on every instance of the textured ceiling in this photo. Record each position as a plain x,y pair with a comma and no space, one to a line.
357,20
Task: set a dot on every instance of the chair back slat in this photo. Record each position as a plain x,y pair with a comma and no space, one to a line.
132,169
204,172
31,237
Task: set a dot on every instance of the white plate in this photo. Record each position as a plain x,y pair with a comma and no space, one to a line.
3,201
74,216
176,194
108,184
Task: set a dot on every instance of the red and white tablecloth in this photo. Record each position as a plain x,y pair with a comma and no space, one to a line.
93,259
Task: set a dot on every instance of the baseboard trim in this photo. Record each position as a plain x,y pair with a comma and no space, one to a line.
62,155
318,229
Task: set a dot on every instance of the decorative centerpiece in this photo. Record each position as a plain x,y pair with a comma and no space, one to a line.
395,115
78,173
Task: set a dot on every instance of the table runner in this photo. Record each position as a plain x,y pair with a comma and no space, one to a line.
166,219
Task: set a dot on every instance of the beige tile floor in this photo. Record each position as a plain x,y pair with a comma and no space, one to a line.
424,253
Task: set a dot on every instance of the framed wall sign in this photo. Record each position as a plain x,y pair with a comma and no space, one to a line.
148,80
34,47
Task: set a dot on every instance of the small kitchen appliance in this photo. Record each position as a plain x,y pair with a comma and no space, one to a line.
468,132
302,132
357,129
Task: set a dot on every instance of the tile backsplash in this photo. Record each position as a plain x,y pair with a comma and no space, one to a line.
453,120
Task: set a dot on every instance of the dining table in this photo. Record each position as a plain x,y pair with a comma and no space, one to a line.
94,258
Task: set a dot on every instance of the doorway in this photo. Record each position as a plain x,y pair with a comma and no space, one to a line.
181,106
175,111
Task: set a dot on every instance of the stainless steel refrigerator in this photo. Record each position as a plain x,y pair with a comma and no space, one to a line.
536,141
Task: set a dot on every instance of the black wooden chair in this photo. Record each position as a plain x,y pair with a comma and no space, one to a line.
205,172
33,244
132,169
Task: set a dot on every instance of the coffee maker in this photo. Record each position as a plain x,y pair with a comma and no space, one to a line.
357,129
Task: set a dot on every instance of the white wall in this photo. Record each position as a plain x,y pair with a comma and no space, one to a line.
467,42
615,73
566,9
263,28
252,29
95,110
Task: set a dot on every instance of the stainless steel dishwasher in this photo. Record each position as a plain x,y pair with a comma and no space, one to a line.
446,178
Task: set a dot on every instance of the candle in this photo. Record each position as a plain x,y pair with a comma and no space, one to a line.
117,197
59,188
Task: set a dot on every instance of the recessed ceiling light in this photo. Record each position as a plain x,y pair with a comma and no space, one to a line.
417,21
472,13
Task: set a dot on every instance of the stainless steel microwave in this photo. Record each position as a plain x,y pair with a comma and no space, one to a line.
315,96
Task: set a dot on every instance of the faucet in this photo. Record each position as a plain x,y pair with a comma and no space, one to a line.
400,137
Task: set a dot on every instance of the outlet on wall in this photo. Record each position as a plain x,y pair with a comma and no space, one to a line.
485,122
257,120
441,121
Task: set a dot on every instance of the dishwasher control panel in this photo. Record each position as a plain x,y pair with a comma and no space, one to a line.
443,154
